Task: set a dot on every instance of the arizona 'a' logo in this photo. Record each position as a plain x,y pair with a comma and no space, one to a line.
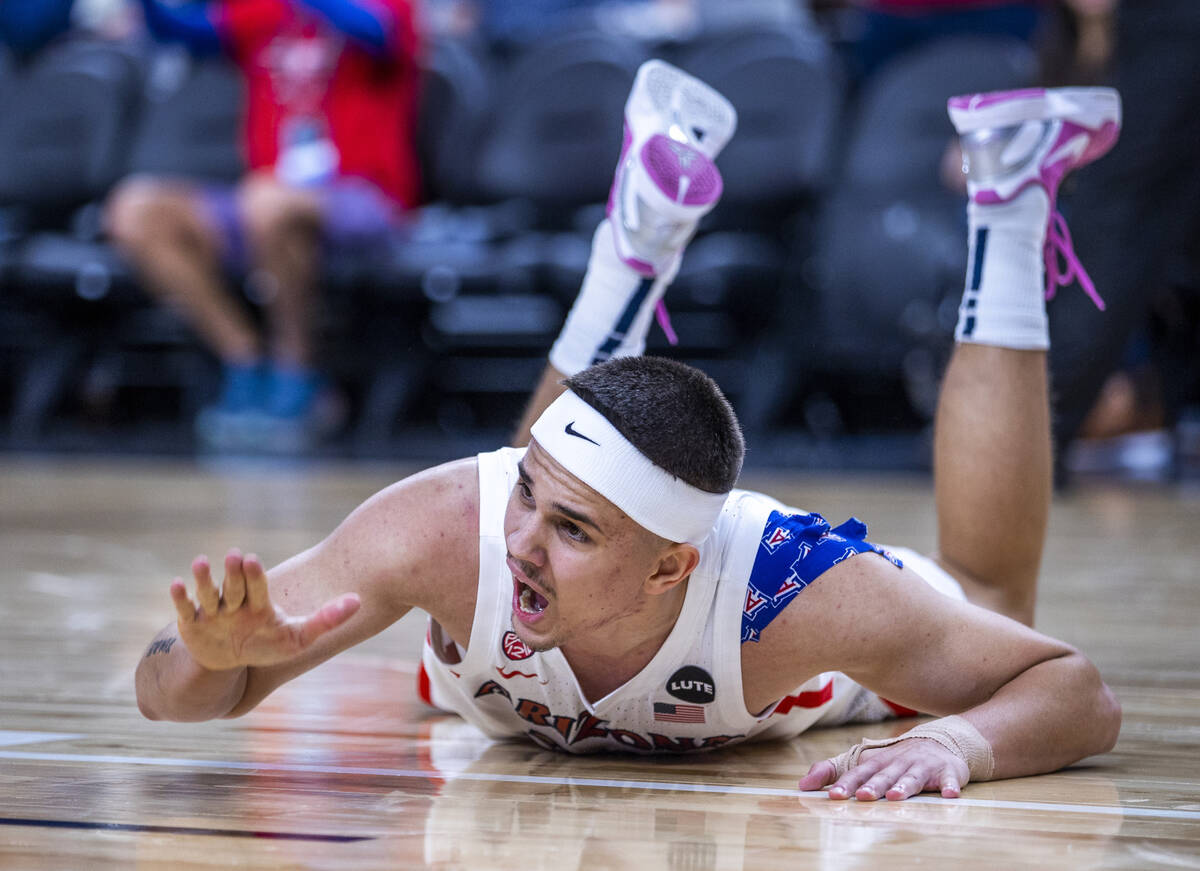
775,537
754,601
788,588
514,648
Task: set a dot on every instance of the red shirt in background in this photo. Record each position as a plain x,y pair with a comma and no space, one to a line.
297,65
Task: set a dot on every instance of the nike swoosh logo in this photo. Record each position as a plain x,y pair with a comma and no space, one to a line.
1073,148
571,431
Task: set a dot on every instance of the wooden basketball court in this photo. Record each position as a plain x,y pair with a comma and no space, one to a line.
344,768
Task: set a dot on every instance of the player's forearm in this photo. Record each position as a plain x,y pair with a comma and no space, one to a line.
171,685
1049,716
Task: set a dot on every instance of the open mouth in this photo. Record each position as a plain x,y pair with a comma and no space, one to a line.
529,600
528,604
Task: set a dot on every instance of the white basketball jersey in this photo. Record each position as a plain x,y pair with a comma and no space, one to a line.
689,697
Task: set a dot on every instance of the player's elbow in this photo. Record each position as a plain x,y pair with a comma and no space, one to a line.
1102,709
144,685
146,709
1109,716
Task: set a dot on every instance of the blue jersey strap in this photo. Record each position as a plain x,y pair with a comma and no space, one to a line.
794,551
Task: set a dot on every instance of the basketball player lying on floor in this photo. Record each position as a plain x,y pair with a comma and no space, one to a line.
616,592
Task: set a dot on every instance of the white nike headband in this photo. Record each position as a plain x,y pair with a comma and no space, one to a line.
584,443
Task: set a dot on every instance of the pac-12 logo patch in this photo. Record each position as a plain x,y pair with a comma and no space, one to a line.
692,684
514,647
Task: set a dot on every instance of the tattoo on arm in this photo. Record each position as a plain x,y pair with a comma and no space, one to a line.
162,645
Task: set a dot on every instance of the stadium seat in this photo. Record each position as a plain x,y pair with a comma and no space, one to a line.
71,130
190,118
900,128
890,240
555,128
789,92
548,148
65,132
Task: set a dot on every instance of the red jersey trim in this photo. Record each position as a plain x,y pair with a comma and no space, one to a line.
809,699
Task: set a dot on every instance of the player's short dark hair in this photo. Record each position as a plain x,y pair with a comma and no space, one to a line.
673,413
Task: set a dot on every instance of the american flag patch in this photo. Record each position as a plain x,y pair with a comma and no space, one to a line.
666,713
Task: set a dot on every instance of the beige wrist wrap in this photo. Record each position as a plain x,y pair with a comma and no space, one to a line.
954,733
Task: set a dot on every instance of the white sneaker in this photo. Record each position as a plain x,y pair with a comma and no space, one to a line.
665,182
1012,140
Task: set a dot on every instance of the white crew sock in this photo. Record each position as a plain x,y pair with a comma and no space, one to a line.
611,315
1004,300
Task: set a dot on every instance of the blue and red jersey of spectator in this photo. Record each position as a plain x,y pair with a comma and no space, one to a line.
353,63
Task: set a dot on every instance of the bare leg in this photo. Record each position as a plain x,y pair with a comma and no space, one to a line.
283,229
992,454
161,229
992,475
548,389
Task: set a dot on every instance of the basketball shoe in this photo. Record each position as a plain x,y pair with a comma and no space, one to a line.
665,182
675,126
1012,140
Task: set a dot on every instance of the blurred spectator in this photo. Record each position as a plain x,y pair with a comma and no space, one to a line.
507,24
109,19
888,28
679,20
1134,216
331,87
27,26
721,14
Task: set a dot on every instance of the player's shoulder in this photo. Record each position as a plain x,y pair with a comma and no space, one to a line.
443,497
419,536
821,623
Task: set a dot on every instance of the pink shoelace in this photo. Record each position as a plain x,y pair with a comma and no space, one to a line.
664,322
1058,244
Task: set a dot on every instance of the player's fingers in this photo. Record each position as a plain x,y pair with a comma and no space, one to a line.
879,782
329,616
184,607
949,783
911,782
818,775
257,594
206,591
233,591
851,781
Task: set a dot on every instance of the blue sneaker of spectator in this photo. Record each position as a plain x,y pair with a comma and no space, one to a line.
300,409
224,425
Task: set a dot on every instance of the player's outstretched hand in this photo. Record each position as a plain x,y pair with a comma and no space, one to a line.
912,766
238,625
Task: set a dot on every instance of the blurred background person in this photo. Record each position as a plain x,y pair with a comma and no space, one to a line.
885,29
331,90
27,26
1137,218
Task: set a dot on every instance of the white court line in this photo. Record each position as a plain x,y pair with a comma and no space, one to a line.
663,786
9,738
